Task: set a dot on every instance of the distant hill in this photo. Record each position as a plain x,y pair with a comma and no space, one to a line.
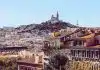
51,25
48,25
32,35
54,26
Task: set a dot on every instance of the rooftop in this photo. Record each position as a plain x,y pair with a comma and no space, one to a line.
9,48
29,63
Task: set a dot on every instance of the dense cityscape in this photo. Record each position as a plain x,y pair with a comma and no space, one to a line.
52,45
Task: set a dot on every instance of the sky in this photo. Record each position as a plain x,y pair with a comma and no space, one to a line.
24,12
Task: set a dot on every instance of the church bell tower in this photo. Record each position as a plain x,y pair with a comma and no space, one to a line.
57,16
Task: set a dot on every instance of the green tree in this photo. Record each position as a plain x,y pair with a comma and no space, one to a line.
58,61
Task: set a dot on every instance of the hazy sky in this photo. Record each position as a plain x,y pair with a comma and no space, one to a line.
19,12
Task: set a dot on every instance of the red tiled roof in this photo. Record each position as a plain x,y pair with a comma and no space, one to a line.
88,36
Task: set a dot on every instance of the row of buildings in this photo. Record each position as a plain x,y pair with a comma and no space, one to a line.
77,43
83,43
29,60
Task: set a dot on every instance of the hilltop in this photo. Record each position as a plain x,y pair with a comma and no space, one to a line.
31,35
51,25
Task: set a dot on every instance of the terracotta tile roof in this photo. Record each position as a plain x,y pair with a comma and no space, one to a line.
88,36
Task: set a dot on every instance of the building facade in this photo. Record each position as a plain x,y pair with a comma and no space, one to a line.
86,47
35,62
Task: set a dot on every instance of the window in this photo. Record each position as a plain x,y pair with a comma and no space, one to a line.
25,68
21,67
73,52
96,42
83,53
77,43
29,68
80,42
78,53
87,53
40,59
34,68
92,53
97,54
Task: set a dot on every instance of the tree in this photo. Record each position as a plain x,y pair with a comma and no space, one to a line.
58,61
8,63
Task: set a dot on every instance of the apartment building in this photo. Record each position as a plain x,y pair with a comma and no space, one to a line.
35,62
86,47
